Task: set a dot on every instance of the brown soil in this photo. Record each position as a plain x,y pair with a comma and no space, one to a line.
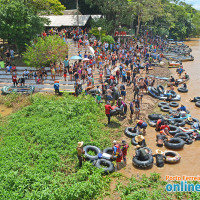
147,107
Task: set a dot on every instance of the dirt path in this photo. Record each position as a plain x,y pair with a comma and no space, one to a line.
147,107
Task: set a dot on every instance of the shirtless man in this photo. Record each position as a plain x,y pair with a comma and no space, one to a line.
141,84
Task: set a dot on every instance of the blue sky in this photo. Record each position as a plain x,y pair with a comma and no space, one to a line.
195,3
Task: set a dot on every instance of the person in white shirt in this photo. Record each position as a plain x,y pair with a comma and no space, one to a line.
26,73
89,70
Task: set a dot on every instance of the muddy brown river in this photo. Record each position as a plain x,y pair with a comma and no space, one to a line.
190,163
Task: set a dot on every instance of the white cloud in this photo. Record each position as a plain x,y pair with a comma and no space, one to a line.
195,3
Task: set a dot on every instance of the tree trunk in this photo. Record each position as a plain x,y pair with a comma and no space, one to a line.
138,25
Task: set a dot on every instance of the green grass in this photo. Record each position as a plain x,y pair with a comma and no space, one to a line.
152,188
38,149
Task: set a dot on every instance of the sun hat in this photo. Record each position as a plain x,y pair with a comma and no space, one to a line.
139,138
158,151
80,144
120,98
114,142
189,119
137,146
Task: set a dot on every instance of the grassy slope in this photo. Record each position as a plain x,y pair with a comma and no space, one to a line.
38,153
38,149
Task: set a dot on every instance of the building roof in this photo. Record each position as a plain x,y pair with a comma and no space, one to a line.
67,20
95,17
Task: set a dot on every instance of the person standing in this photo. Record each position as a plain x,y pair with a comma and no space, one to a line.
80,153
132,110
107,110
117,152
125,147
137,107
14,79
136,91
65,73
66,64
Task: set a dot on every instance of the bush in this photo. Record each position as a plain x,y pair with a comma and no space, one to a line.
108,38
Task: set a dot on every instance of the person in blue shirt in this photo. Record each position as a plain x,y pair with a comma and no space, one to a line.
66,63
56,87
183,108
169,96
123,76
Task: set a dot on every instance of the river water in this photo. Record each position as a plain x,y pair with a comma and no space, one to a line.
190,163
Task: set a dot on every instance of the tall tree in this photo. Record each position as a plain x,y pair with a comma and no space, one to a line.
45,6
145,10
116,12
19,24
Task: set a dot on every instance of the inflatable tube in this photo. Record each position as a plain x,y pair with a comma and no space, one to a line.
177,122
91,148
173,129
109,150
152,123
174,143
196,99
160,89
113,113
154,90
129,133
172,111
165,108
154,116
173,93
133,142
172,157
197,103
109,167
182,135
183,90
143,164
161,104
191,122
173,104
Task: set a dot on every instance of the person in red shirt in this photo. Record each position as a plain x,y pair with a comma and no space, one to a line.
164,129
107,110
165,126
14,79
125,147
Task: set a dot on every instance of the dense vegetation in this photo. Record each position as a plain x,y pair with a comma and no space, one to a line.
53,50
174,19
38,149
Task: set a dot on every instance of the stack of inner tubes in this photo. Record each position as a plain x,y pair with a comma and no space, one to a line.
143,163
174,143
183,90
105,164
177,122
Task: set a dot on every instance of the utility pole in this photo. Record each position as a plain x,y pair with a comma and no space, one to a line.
77,14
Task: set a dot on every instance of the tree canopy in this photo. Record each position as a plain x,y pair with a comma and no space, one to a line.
175,19
45,51
21,21
19,24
